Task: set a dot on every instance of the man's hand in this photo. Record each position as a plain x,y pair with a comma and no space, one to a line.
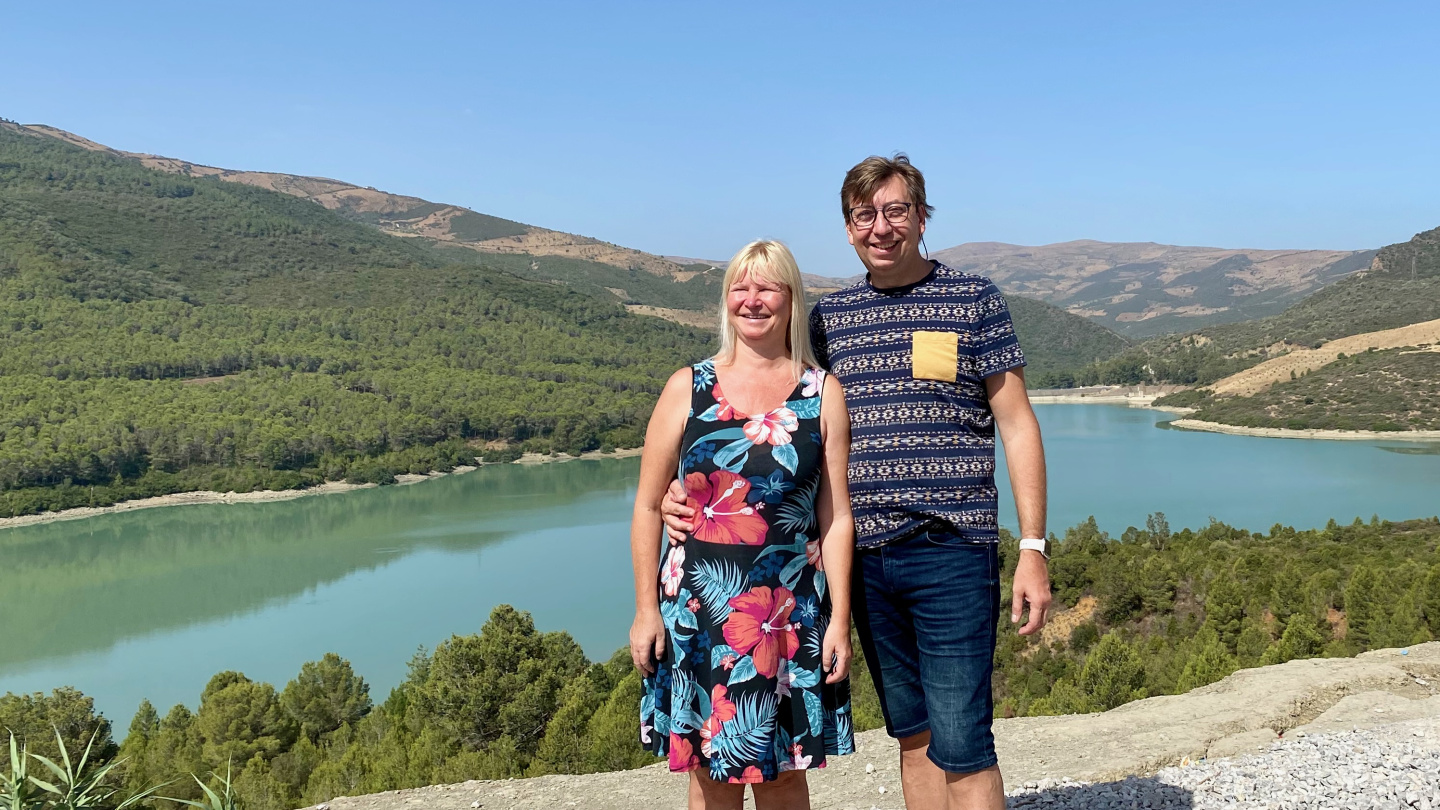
1032,587
675,513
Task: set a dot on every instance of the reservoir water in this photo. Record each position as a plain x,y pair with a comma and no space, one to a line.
151,603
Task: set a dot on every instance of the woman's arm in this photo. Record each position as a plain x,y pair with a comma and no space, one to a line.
658,464
837,527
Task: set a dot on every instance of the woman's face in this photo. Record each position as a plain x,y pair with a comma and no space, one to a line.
759,309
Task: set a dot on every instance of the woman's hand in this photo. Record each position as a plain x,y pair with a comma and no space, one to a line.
835,652
647,640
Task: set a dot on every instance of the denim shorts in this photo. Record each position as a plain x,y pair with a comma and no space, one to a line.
926,610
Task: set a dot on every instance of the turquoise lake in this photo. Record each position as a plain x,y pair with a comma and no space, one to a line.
150,604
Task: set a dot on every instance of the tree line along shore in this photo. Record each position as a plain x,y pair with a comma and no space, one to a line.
1151,612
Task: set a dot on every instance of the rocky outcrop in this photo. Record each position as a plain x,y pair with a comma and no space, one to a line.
1241,714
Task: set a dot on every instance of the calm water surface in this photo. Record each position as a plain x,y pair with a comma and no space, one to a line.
151,603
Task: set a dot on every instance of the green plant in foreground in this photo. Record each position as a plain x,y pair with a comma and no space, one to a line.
224,800
17,790
76,785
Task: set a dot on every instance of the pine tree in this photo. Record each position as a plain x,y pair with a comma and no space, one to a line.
1112,674
1209,663
1225,610
1301,639
1365,615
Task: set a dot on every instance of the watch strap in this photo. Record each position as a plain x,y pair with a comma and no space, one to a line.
1034,544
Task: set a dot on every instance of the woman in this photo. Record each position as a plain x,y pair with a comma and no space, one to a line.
746,670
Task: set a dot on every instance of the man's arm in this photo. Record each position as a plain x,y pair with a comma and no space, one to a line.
1025,456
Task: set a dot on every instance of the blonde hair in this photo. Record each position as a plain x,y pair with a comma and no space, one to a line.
770,261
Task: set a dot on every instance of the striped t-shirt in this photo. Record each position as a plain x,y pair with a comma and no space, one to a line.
922,436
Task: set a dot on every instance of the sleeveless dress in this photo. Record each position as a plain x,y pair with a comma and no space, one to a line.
740,690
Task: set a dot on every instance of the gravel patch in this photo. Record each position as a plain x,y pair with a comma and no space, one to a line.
1389,767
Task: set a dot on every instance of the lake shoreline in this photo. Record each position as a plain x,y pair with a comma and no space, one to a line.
1198,425
202,497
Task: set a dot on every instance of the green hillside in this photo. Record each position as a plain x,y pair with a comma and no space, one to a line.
1390,390
161,334
1058,343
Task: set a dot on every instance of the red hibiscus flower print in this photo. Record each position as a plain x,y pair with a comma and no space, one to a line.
760,625
750,776
774,427
723,515
682,754
721,706
813,555
725,412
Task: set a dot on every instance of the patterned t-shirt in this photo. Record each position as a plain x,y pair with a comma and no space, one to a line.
922,436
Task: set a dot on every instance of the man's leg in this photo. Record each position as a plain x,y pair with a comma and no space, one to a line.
887,636
954,591
922,780
978,790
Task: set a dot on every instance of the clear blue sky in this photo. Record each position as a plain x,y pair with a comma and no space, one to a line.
690,128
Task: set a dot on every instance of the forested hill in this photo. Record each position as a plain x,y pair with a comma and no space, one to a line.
162,333
607,271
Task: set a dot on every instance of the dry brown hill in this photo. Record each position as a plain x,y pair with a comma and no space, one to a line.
403,215
1144,288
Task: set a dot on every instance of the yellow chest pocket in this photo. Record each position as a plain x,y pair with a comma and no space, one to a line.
934,355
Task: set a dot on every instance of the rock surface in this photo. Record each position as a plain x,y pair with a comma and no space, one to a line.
1243,714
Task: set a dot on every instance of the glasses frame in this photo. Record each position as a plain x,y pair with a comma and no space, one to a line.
879,212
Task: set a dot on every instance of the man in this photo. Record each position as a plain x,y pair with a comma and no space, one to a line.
931,369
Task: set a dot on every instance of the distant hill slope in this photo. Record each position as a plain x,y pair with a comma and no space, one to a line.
591,265
163,333
1391,308
1142,288
1401,286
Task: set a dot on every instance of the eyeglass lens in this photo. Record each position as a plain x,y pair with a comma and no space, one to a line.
895,214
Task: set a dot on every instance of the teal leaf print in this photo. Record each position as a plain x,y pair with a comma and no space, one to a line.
744,670
732,457
797,513
723,434
711,413
793,548
839,731
819,584
803,678
815,713
785,455
808,408
682,699
662,724
718,581
790,574
745,737
677,614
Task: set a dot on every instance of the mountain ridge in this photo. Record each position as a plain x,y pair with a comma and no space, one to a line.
403,215
1147,288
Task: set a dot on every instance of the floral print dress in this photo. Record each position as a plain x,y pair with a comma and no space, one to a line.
740,690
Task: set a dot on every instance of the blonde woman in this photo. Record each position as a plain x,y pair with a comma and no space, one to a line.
744,636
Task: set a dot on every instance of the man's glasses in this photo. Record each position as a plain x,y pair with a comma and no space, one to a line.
896,213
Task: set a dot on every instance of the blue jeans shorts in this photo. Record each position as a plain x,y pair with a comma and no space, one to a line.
926,610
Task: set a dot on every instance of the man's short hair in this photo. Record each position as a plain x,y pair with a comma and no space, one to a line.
862,181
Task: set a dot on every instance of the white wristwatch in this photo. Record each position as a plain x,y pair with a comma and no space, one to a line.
1034,544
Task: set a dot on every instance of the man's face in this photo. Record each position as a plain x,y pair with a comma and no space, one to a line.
885,246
